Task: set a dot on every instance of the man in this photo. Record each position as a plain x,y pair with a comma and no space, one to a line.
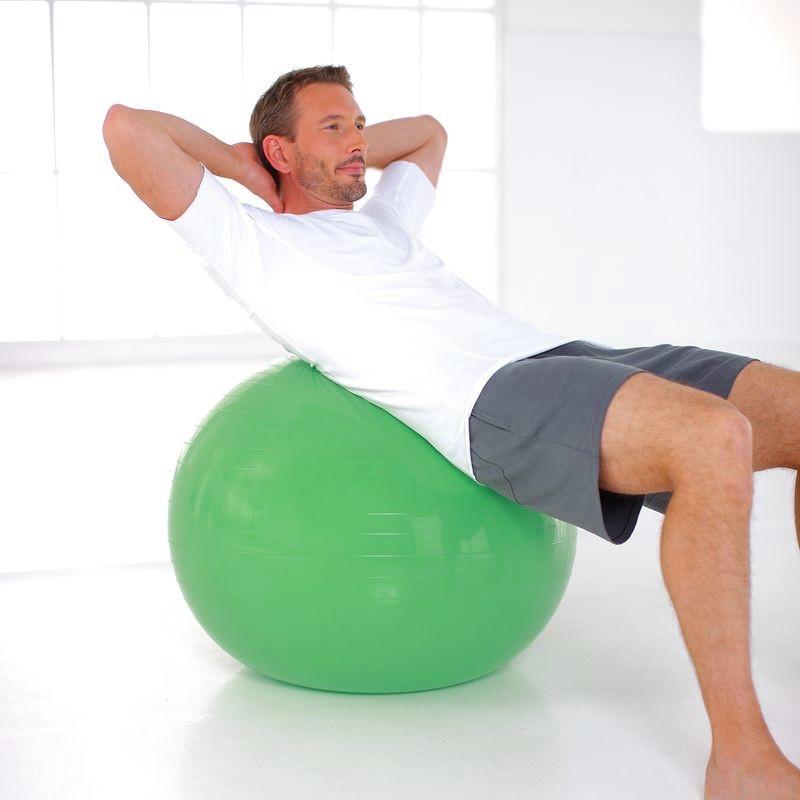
579,430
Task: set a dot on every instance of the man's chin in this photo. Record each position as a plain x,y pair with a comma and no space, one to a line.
352,196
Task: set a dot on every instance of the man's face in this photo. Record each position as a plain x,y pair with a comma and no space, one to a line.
325,145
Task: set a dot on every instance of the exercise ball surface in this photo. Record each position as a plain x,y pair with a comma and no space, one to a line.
322,542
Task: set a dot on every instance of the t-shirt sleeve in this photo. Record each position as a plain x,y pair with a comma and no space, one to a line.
221,229
407,190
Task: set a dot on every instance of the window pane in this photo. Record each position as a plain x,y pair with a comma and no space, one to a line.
106,268
29,278
461,228
26,135
196,65
305,42
384,69
94,72
460,91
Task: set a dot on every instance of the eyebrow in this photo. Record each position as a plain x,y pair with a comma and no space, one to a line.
340,116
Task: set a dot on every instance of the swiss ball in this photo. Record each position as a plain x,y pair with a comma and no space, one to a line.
322,542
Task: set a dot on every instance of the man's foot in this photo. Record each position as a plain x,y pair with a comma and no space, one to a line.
764,775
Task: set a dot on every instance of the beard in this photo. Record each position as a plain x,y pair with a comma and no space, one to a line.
313,175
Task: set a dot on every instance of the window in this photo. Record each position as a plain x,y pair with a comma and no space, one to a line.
85,260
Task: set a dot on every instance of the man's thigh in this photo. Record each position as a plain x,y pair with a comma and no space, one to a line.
666,408
769,396
654,430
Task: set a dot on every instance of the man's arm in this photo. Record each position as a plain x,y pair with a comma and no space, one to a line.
158,155
421,139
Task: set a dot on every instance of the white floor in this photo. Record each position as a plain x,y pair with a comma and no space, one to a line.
111,689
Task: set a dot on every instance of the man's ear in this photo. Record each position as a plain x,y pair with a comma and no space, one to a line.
273,150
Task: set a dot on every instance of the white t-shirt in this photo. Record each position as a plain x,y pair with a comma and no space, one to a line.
358,295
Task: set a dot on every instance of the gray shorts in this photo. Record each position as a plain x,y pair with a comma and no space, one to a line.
535,427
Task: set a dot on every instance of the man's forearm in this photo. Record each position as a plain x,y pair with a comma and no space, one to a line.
387,141
395,138
220,158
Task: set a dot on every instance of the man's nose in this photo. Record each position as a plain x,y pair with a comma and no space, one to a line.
360,142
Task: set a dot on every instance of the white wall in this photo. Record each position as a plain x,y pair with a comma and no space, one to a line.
623,220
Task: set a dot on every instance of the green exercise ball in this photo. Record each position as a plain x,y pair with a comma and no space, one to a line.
321,541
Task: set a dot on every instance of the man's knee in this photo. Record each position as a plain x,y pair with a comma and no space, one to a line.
658,432
718,442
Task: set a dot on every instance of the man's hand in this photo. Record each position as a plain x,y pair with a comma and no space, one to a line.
255,177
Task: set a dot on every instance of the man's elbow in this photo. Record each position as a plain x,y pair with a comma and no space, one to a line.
112,120
436,125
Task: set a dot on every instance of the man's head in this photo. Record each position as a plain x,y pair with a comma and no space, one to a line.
305,149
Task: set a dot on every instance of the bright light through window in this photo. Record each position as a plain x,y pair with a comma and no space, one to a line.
92,262
751,65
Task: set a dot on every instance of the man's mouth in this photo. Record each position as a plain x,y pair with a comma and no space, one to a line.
354,169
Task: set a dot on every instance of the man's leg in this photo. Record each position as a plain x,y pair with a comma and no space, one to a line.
659,435
769,396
